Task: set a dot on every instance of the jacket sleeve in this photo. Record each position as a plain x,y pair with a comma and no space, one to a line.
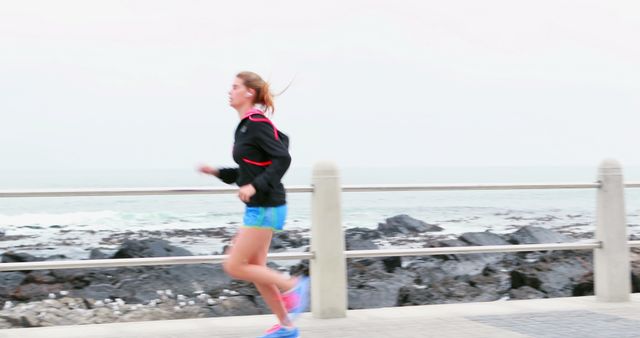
276,151
228,175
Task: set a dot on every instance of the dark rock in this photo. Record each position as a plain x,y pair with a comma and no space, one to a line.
449,290
447,243
244,288
361,239
140,284
97,254
149,248
181,279
40,277
359,268
56,258
376,293
450,243
537,235
418,295
460,268
404,224
635,283
483,238
14,257
428,270
362,233
479,259
301,268
9,281
98,275
287,239
520,279
559,279
362,244
75,277
494,284
584,286
433,274
526,292
277,244
31,292
391,263
555,274
635,269
248,290
99,292
371,286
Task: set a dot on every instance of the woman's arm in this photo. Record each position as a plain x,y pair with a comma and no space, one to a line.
227,175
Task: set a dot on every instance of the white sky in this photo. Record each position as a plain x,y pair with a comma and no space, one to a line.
143,84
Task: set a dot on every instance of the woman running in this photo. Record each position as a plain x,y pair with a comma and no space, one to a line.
262,155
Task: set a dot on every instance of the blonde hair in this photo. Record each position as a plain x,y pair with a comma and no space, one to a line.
263,94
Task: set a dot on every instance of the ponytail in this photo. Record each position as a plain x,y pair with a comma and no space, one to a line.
266,99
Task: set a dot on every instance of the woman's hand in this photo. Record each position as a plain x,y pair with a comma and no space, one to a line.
205,169
245,192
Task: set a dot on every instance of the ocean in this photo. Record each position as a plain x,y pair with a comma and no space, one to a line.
73,226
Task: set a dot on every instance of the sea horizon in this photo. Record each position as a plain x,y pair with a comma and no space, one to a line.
51,178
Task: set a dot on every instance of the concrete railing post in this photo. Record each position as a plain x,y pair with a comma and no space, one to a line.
328,268
612,275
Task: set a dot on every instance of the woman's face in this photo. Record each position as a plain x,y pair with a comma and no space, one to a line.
239,95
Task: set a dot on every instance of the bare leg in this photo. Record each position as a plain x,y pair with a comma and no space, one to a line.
269,292
247,261
248,243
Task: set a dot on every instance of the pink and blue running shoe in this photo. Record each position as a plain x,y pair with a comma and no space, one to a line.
278,331
297,299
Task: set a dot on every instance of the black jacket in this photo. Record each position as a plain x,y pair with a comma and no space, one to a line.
261,151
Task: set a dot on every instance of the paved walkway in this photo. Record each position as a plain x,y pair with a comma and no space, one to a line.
549,318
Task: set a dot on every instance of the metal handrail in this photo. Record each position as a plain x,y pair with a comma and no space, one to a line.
454,187
213,259
122,262
131,191
472,249
292,189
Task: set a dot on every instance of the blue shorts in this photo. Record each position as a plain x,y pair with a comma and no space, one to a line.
265,217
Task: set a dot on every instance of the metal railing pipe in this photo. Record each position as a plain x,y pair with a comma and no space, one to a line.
471,249
147,261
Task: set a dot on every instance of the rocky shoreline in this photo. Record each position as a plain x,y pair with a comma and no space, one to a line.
84,296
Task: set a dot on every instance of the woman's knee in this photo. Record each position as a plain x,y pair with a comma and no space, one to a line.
233,269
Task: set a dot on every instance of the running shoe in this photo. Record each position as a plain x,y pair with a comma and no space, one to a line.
297,299
278,331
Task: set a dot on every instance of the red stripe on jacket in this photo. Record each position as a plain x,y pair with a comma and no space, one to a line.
261,164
